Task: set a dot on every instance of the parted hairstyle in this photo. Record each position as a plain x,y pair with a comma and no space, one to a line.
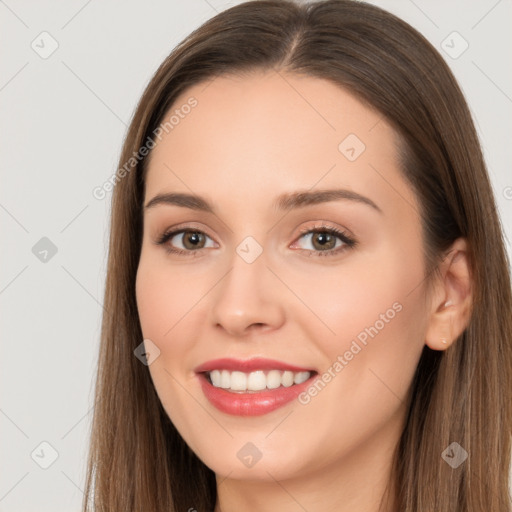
137,459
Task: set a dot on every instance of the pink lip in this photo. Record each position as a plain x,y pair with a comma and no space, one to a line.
250,365
251,403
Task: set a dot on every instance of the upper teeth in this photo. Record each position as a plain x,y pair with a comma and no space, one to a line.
256,381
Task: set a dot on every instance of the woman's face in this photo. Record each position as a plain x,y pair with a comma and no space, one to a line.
262,276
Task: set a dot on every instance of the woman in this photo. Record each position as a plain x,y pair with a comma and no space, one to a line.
308,298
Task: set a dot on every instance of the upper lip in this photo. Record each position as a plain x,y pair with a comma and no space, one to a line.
248,365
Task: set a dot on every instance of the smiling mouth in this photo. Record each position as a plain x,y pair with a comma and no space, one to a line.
256,381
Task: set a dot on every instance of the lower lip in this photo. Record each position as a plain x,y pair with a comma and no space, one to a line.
251,404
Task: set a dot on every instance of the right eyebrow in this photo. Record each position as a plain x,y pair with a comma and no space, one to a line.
191,201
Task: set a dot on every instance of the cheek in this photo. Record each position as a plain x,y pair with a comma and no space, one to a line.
374,292
380,324
372,321
153,301
164,296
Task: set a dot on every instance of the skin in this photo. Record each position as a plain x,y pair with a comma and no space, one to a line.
247,141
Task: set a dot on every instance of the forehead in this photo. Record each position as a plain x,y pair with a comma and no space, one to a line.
273,132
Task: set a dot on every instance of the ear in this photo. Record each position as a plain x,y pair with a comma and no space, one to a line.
451,301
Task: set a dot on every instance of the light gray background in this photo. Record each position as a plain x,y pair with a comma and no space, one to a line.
63,121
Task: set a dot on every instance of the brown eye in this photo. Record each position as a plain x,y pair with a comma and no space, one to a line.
193,239
184,241
326,241
322,240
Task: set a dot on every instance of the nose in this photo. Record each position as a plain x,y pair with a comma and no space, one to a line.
247,299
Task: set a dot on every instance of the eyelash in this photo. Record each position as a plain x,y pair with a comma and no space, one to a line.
348,241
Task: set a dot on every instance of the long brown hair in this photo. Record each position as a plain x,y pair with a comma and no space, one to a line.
138,461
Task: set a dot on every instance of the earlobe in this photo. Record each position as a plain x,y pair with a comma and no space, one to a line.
440,333
450,307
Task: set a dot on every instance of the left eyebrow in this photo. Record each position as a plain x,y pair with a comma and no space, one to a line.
302,199
284,202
